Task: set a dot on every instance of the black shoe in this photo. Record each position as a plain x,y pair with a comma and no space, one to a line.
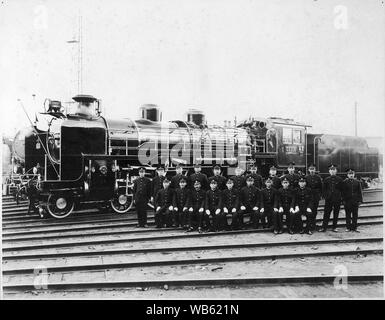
158,227
355,230
200,230
145,226
309,232
302,231
291,231
335,230
275,232
322,230
280,231
138,226
348,230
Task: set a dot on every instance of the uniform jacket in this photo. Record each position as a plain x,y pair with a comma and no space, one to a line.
314,182
332,188
352,191
221,180
268,197
258,181
276,182
213,200
239,182
230,199
182,198
164,198
198,199
285,198
157,184
293,179
142,189
250,197
304,197
175,181
202,178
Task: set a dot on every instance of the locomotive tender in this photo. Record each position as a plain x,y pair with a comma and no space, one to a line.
89,159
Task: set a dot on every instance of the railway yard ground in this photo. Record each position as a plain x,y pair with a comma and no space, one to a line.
94,254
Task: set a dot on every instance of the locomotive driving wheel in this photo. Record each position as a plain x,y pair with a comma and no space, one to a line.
60,206
122,203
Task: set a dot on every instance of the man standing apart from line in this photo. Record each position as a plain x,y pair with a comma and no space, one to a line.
352,196
142,194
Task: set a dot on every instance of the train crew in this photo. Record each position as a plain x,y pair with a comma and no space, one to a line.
291,176
250,202
332,193
213,206
352,196
257,178
217,176
163,204
181,204
239,179
179,175
276,181
314,182
142,194
157,182
32,190
197,206
268,195
198,175
303,205
230,205
284,202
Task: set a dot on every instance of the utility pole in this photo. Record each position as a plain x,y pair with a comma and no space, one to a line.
355,118
79,42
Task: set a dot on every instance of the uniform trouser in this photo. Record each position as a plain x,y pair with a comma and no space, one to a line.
194,216
268,213
204,219
314,210
329,206
180,217
219,220
309,218
141,210
236,218
351,213
277,220
163,217
255,216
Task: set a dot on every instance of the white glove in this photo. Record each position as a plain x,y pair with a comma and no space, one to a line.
185,209
158,208
243,208
275,210
171,207
201,210
291,210
175,209
280,209
152,199
255,208
262,210
296,208
308,210
225,210
191,209
234,210
217,211
208,212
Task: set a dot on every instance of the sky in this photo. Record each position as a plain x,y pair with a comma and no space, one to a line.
302,59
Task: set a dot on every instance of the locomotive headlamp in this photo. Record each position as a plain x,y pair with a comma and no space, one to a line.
103,169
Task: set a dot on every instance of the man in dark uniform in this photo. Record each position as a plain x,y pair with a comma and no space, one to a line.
276,181
285,203
196,211
314,182
142,194
352,196
250,201
239,179
157,182
163,205
181,203
303,205
213,206
32,190
179,175
332,193
230,204
291,176
257,178
217,176
268,195
198,175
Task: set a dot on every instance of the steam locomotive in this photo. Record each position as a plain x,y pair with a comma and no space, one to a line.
88,159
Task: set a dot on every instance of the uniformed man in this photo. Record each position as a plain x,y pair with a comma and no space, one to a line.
198,175
218,177
291,176
257,178
303,205
285,202
276,181
32,190
157,182
314,182
179,175
352,196
181,204
230,205
250,202
142,194
239,179
268,195
163,205
197,206
213,206
332,193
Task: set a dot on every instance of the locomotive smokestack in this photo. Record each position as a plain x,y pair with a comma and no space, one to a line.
85,102
151,112
196,116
